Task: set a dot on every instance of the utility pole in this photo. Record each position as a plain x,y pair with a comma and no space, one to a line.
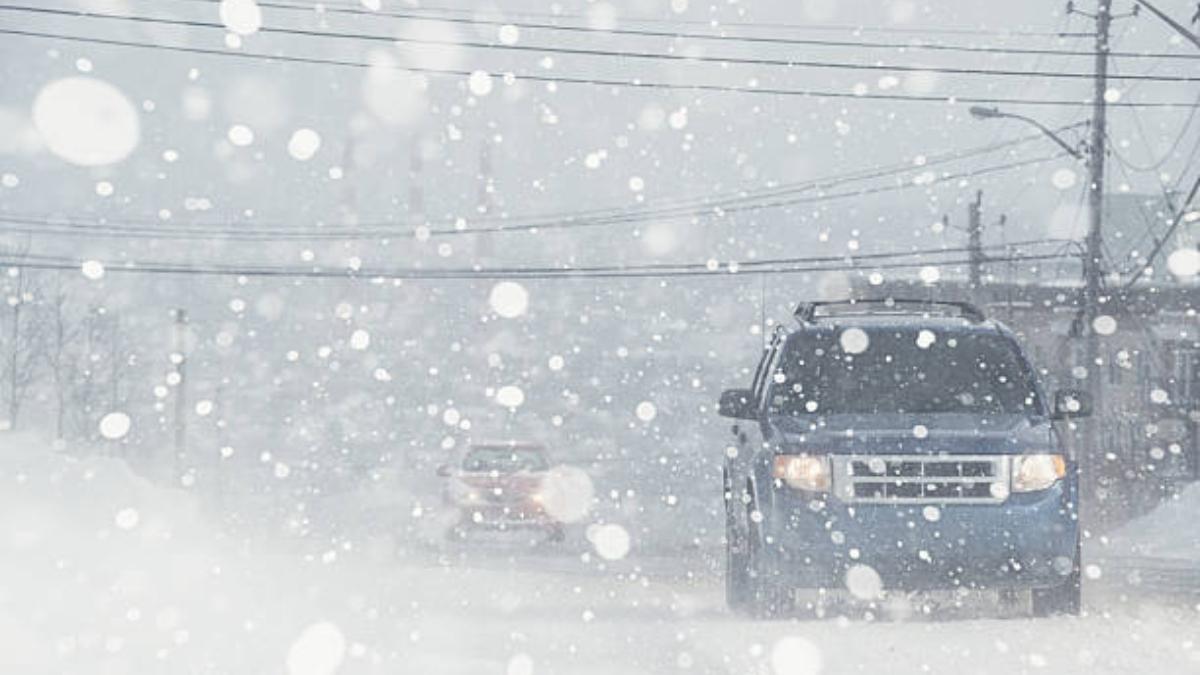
114,361
484,248
416,194
1010,276
417,219
349,192
180,359
1092,264
975,242
1093,274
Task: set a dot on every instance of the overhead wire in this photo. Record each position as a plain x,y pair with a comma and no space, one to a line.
1181,216
647,212
635,83
755,90
1150,230
1154,165
415,14
415,273
732,266
46,224
679,20
593,52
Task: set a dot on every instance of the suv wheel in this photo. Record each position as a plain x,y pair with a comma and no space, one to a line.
770,597
1063,599
737,563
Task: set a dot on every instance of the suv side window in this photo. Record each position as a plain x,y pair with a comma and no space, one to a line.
766,366
756,383
773,367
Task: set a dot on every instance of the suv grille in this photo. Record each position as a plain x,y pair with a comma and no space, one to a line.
917,479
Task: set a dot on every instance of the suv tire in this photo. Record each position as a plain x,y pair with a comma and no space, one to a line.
737,563
1065,599
769,596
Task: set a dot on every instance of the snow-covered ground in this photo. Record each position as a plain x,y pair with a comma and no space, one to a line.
1167,532
101,572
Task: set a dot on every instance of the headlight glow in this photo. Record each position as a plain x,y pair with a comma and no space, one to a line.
462,493
1037,472
803,472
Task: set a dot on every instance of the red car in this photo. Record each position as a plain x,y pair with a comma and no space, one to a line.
498,487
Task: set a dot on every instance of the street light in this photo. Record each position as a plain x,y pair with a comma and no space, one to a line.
982,113
1092,269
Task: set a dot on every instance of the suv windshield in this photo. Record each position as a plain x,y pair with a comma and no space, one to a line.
902,371
504,459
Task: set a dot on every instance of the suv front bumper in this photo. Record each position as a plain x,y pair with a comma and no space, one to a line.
1028,541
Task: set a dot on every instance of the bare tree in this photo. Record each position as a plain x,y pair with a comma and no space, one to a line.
97,363
22,346
62,353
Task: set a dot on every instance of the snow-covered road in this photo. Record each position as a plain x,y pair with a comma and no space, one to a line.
267,613
103,573
477,620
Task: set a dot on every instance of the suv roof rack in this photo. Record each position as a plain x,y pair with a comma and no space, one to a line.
807,312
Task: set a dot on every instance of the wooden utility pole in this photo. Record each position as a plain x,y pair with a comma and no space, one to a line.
1093,256
485,203
975,242
181,393
416,192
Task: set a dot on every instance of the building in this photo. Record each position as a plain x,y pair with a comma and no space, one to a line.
1149,411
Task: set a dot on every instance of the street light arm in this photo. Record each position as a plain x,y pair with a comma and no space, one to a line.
984,113
994,113
1074,152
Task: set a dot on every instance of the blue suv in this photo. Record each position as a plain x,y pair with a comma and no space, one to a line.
899,445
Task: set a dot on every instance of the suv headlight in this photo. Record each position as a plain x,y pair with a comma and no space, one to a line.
1037,472
803,472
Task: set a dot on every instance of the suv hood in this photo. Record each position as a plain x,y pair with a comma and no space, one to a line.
913,434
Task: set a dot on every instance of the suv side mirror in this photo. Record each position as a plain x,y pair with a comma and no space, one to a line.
1071,403
443,471
738,404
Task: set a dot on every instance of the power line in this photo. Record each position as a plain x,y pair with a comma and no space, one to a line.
1180,216
592,52
949,30
1155,165
707,204
732,266
545,221
1166,18
413,14
449,274
823,183
590,81
1151,232
757,206
45,225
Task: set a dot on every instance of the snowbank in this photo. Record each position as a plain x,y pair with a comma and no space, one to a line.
90,552
1167,532
104,572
